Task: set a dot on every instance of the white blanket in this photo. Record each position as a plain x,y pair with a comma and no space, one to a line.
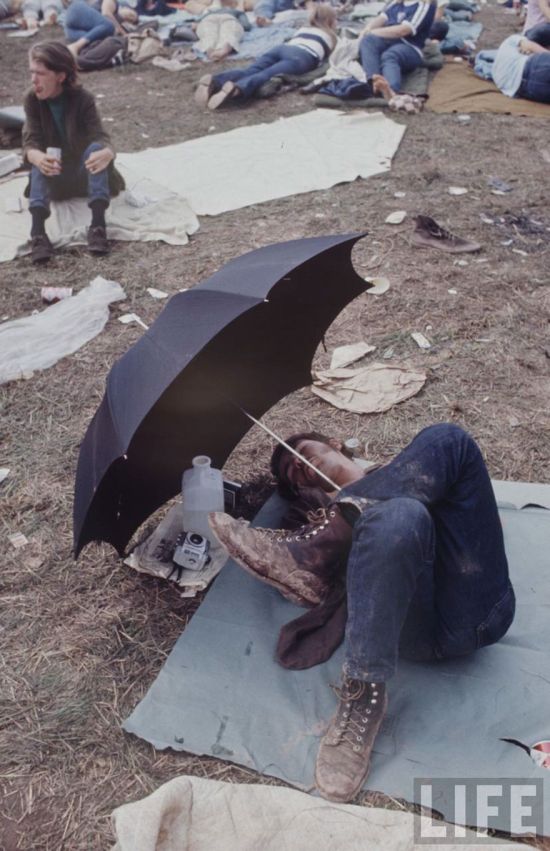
193,814
249,165
144,212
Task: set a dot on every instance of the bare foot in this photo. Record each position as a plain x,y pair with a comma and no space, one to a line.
380,86
221,53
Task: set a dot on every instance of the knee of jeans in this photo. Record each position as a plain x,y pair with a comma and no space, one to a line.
402,519
93,146
448,431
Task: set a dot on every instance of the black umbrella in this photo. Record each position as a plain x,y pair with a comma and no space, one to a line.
245,337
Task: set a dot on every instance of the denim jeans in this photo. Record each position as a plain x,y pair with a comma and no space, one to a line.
75,181
427,574
535,83
483,66
388,57
284,59
540,34
83,21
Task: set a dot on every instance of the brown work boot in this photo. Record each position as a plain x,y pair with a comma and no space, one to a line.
343,760
41,248
300,564
428,234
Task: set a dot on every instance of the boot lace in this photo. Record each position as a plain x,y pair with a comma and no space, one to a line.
359,700
318,520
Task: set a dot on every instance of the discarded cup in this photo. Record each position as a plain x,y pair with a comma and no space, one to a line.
52,294
543,747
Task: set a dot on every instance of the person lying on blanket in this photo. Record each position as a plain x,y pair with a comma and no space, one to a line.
64,141
522,69
427,575
391,44
305,51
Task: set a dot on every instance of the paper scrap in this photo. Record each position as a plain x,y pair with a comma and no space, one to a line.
4,473
132,317
344,355
157,293
421,340
396,218
457,190
17,540
379,286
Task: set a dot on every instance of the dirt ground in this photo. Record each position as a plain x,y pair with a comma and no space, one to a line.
82,642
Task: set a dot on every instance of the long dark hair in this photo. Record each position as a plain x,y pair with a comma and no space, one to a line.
284,487
57,57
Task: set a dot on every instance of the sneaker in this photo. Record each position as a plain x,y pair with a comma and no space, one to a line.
41,249
428,234
227,91
301,564
204,90
97,241
343,760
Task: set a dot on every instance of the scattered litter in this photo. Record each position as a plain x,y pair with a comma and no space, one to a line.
154,556
421,340
108,119
157,293
99,95
457,190
500,186
18,540
145,135
368,390
513,422
453,291
4,473
463,118
344,355
132,317
388,354
184,290
379,286
486,220
399,194
507,242
170,64
519,251
483,260
39,341
396,218
50,295
460,263
457,59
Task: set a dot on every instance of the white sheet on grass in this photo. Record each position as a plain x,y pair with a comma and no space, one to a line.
249,165
145,212
194,814
41,339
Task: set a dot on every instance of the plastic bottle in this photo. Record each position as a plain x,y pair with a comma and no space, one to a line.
202,492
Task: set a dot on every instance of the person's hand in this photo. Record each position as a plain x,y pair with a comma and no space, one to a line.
99,160
49,166
263,22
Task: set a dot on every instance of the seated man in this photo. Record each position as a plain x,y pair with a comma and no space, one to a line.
522,69
391,44
537,22
60,114
427,574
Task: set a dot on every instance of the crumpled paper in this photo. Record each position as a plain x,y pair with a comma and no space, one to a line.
370,389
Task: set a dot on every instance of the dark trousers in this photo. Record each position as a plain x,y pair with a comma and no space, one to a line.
427,573
284,59
535,83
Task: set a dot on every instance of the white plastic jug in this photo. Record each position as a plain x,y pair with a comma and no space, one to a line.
202,492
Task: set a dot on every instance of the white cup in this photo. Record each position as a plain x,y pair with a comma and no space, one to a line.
55,153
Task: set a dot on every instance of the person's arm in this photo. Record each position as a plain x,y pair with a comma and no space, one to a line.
90,121
395,31
108,10
34,144
265,12
544,7
527,46
374,23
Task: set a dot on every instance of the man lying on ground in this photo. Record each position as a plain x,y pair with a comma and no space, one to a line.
427,575
522,69
60,114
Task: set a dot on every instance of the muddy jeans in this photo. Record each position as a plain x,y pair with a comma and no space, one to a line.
427,574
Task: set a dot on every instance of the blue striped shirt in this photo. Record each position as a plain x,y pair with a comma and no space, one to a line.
417,14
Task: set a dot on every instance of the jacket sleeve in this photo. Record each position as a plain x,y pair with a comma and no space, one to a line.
90,121
265,9
33,135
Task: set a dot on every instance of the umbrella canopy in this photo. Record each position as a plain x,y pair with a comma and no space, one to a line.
245,337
